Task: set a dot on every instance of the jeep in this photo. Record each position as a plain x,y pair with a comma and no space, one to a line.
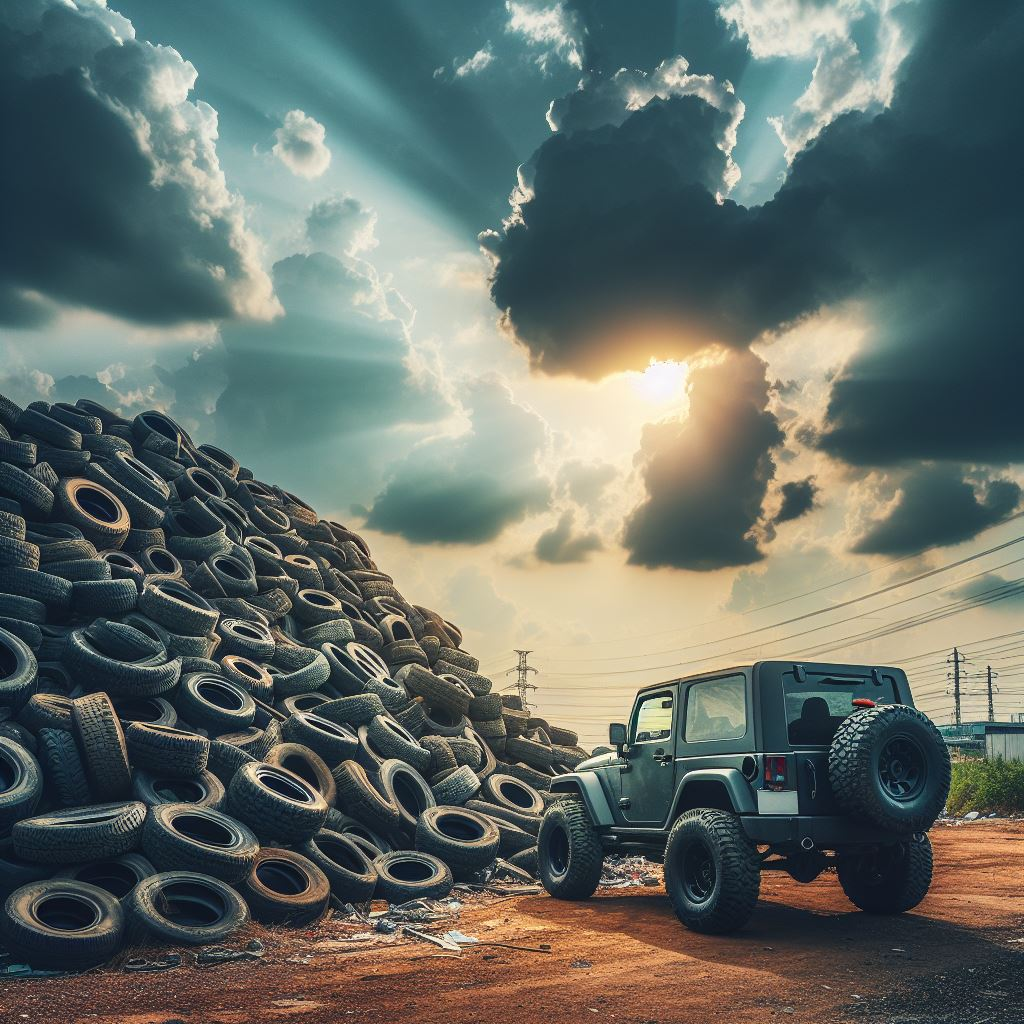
776,766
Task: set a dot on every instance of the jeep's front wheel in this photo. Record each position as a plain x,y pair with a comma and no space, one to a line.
891,880
569,851
712,871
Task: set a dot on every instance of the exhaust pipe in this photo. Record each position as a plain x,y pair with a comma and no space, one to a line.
807,843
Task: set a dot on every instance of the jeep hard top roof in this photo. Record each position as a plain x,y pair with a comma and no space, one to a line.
811,666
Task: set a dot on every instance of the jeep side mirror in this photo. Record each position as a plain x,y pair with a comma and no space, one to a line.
617,735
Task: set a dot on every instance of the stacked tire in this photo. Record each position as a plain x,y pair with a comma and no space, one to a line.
214,706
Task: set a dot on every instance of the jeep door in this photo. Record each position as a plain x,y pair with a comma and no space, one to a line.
648,771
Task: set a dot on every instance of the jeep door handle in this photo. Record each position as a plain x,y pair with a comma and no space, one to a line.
663,758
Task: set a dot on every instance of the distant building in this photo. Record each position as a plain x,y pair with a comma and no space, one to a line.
986,739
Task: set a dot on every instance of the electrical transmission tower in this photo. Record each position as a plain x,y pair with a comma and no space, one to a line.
523,670
956,659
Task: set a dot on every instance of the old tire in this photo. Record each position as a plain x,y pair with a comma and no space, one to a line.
184,837
569,851
467,842
307,764
62,766
63,923
275,803
101,741
350,872
185,908
116,875
891,880
712,872
404,876
889,765
80,834
284,887
171,753
203,790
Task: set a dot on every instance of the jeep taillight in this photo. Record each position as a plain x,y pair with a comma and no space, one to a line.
775,772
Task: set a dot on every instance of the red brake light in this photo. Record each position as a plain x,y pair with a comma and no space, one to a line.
863,702
775,772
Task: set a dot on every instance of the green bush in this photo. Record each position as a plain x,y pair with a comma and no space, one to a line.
986,786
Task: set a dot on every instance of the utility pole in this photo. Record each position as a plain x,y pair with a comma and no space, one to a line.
522,671
956,659
991,707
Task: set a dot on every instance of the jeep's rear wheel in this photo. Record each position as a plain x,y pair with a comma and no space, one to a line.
569,851
712,871
890,880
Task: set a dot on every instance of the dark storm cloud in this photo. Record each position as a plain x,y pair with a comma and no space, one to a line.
706,476
467,489
560,545
798,498
623,252
111,195
900,211
938,506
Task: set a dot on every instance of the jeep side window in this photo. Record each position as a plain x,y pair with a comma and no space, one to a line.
716,710
653,719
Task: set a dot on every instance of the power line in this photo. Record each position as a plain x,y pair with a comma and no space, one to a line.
830,608
817,590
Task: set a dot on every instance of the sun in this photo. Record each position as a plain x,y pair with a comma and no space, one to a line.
663,381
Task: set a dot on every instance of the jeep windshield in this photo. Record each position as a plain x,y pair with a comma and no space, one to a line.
816,702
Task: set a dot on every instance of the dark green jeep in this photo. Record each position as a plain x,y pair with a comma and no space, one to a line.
772,766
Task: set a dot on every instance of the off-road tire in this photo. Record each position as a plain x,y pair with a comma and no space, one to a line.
570,855
892,888
856,759
736,880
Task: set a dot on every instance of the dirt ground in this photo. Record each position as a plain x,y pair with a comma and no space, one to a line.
806,956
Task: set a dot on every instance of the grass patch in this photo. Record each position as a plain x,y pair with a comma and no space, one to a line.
985,786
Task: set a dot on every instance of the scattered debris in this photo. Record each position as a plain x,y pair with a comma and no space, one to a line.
214,956
629,872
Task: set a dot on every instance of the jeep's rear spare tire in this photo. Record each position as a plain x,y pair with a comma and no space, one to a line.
569,851
888,765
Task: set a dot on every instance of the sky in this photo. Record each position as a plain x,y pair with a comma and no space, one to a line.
627,333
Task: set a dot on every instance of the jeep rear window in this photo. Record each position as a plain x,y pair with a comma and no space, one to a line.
815,708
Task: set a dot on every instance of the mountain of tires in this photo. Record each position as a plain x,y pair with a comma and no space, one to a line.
214,706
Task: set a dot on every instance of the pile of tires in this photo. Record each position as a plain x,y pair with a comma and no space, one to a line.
214,706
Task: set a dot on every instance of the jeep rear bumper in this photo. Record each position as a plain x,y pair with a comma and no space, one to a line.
825,832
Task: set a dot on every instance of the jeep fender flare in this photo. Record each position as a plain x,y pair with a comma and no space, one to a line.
588,787
736,786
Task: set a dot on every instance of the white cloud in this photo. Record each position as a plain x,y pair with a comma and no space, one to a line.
166,240
552,29
342,224
300,145
844,77
483,58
